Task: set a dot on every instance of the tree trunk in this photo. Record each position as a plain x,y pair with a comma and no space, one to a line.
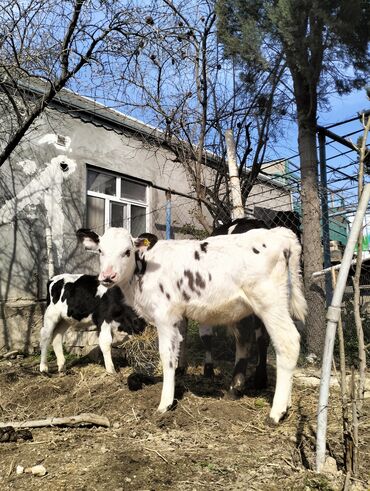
237,202
312,250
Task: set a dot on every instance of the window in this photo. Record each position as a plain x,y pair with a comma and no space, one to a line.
114,201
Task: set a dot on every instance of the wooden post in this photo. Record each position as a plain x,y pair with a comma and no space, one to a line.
236,195
168,215
49,250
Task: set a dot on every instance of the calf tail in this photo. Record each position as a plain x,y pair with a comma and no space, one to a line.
297,303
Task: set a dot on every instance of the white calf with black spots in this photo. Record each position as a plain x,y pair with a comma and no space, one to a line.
78,299
217,281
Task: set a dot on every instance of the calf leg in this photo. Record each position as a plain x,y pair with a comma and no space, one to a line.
263,341
169,339
244,340
182,363
206,333
105,343
51,320
286,342
58,345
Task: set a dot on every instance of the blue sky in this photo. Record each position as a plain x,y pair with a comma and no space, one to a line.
342,164
342,108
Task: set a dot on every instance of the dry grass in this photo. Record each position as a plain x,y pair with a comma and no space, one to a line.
142,352
208,442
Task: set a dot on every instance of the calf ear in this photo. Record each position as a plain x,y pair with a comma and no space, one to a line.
142,244
151,240
88,238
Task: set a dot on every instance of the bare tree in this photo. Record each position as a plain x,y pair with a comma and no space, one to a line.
181,80
45,45
161,61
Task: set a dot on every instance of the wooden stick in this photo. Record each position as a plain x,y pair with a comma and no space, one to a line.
156,451
11,468
80,419
9,354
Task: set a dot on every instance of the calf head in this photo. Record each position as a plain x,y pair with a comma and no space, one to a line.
117,253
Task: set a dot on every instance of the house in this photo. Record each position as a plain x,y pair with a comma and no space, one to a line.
85,165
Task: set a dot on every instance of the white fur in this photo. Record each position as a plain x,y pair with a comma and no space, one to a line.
228,282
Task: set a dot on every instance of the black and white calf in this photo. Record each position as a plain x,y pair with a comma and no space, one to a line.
250,334
80,299
220,280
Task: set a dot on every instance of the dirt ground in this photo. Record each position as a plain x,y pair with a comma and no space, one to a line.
207,442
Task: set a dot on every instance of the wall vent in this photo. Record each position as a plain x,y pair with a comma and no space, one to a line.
61,140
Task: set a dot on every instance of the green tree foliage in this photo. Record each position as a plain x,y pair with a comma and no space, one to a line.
320,39
326,47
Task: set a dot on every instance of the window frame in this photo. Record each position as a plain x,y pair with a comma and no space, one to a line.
108,199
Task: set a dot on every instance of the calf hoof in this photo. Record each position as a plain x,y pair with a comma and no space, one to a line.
164,409
208,371
44,368
237,386
274,420
46,374
271,422
234,393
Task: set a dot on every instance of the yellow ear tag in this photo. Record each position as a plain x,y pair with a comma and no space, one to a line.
146,243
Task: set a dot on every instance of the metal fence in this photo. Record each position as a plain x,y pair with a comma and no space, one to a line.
277,194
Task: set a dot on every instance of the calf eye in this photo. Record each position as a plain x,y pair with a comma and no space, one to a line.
99,250
127,253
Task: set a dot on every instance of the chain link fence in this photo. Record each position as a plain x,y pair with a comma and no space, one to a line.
276,200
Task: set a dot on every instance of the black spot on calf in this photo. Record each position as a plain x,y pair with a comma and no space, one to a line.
185,296
140,282
190,278
196,256
199,281
112,308
239,226
204,246
81,296
56,290
256,251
